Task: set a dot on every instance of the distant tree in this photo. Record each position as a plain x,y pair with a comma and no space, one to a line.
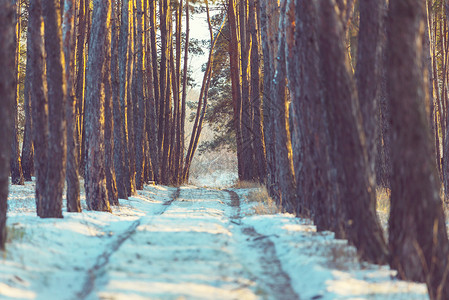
7,96
417,231
95,177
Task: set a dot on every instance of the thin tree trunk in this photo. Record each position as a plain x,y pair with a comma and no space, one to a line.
123,56
27,148
257,126
141,112
16,164
72,175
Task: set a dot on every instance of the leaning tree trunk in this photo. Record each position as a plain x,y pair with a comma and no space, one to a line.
56,156
417,232
95,177
7,99
346,138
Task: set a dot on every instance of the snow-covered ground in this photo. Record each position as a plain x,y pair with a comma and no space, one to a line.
186,243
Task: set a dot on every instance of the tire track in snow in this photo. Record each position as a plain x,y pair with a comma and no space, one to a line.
273,276
98,269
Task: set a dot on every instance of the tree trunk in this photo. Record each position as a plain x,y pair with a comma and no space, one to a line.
269,19
369,58
284,165
123,56
7,98
260,163
417,232
111,182
56,157
235,84
16,164
72,176
246,118
79,85
38,101
95,178
346,136
27,148
141,112
119,137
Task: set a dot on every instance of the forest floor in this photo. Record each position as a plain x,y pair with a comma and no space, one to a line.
183,243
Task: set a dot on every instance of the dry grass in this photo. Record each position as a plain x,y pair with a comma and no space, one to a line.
264,204
340,256
383,199
248,185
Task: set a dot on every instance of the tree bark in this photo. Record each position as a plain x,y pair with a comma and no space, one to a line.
16,164
260,163
56,157
369,59
123,56
28,148
119,137
72,175
346,139
95,178
417,232
7,98
141,112
38,99
284,165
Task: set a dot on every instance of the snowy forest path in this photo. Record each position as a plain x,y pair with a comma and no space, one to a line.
97,270
195,248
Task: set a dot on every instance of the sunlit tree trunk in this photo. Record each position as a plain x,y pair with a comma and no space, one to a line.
284,163
16,164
